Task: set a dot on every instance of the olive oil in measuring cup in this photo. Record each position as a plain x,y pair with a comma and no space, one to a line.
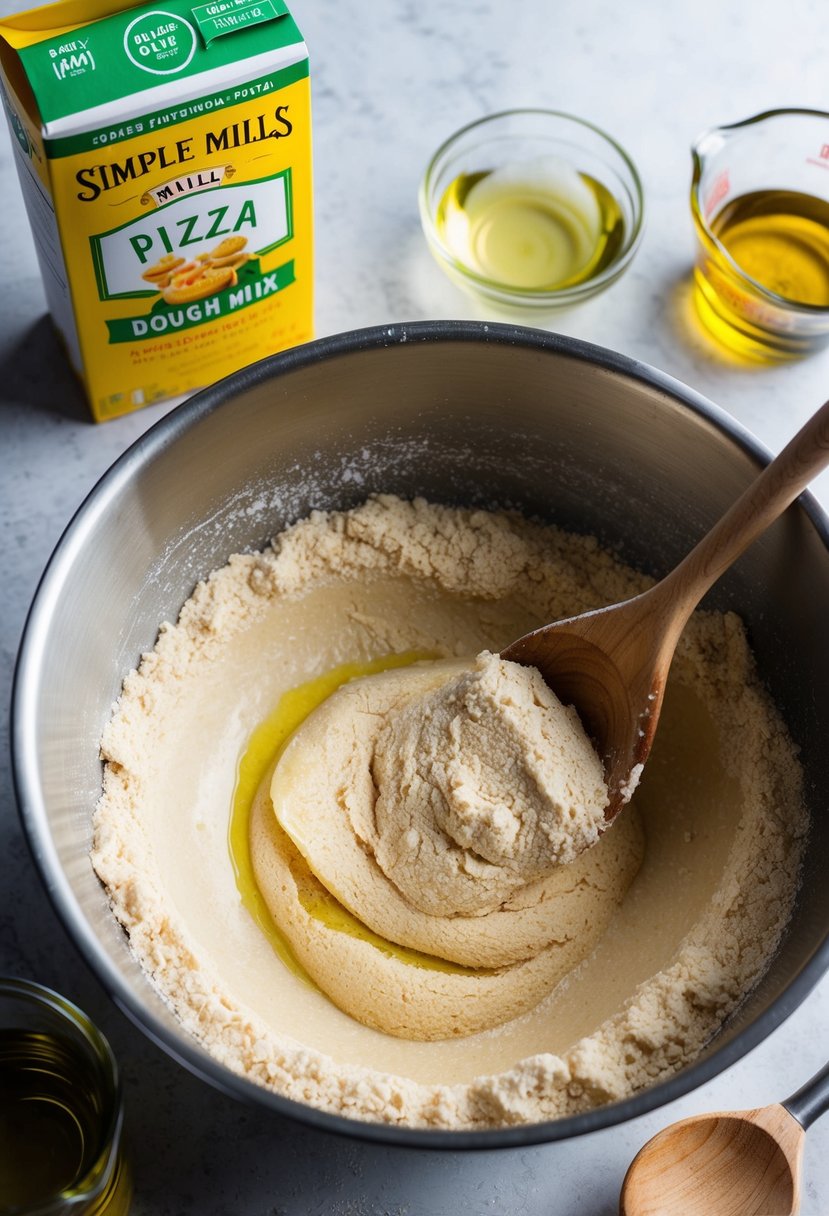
537,225
760,206
781,239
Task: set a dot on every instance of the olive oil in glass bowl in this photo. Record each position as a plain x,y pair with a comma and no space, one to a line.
532,209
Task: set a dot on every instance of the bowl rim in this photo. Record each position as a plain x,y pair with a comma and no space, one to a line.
32,809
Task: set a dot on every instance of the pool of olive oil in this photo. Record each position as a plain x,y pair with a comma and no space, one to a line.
781,239
531,231
264,746
52,1128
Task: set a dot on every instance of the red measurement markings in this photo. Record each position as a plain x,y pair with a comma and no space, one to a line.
822,161
719,190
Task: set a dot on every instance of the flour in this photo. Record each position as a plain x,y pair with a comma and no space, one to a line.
479,576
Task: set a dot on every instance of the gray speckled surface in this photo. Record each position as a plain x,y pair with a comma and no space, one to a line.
390,82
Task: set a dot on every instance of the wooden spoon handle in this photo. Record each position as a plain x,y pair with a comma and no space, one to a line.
755,510
811,1100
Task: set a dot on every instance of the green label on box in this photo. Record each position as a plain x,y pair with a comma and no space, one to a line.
160,43
229,16
130,52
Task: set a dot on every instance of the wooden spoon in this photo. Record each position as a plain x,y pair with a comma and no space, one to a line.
612,664
735,1163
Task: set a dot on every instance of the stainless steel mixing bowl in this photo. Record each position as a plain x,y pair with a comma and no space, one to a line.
458,412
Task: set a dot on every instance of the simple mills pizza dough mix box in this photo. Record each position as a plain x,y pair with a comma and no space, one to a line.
165,157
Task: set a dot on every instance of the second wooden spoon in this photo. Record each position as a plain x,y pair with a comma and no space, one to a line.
733,1163
612,664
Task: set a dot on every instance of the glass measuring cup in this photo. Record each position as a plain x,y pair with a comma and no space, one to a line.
61,1115
760,205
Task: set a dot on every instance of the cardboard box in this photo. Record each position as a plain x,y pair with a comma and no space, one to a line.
164,152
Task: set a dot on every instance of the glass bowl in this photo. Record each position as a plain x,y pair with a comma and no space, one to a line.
557,215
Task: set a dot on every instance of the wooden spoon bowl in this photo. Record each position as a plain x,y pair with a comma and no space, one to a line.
612,664
734,1163
745,1163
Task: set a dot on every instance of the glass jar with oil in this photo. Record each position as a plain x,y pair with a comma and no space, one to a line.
760,204
537,225
532,208
61,1115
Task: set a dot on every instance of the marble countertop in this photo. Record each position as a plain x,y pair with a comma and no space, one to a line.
389,83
